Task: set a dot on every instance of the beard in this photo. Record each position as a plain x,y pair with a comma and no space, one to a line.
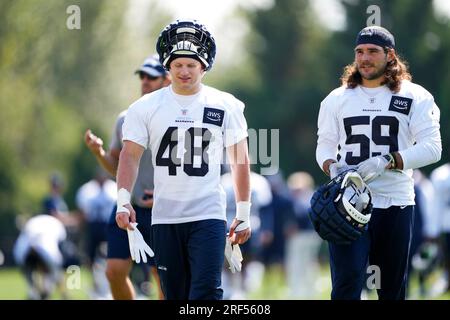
374,75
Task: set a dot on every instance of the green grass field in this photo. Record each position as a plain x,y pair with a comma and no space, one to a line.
13,286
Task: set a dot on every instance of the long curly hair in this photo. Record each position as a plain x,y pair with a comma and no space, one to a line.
396,71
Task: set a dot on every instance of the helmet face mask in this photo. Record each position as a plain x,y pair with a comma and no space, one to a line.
341,209
186,38
354,201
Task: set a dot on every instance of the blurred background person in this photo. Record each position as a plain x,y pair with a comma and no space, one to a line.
424,252
283,222
440,177
95,200
37,253
304,244
274,254
54,203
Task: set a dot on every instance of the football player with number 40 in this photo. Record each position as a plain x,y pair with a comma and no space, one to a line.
383,125
186,126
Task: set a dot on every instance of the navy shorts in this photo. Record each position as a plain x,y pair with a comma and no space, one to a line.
190,258
385,246
118,247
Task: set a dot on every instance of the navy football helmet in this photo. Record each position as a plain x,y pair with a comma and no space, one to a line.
341,209
186,38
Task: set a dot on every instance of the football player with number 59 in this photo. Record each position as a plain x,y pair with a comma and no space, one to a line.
383,125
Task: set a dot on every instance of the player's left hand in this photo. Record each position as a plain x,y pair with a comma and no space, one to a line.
138,247
125,216
237,234
372,168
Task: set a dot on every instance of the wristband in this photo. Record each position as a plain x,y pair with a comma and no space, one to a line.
123,198
243,210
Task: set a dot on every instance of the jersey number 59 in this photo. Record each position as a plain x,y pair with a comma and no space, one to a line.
390,140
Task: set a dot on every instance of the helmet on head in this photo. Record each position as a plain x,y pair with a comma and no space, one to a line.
186,38
341,209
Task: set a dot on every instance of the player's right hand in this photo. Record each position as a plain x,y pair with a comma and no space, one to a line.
94,143
124,219
336,168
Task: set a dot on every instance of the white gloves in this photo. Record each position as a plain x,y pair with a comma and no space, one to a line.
138,247
233,255
374,167
336,168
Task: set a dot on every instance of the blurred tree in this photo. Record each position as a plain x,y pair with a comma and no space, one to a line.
285,45
50,81
49,89
57,82
9,197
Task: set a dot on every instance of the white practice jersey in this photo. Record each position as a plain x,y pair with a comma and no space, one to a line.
43,233
97,201
354,126
187,145
440,177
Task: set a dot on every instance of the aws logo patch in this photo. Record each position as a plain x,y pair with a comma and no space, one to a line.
400,104
213,116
